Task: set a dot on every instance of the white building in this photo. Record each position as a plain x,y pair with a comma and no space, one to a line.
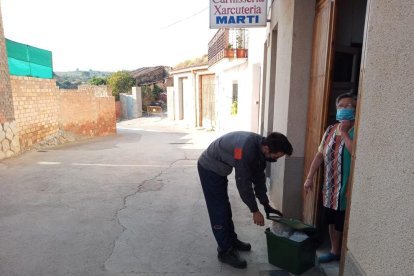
238,78
188,99
225,94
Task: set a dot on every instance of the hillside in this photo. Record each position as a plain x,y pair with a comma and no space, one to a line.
143,75
71,79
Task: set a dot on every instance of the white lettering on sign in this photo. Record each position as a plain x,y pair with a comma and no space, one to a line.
238,13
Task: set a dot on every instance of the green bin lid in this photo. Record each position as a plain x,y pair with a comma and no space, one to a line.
293,223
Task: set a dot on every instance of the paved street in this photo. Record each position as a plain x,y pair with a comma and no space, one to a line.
128,204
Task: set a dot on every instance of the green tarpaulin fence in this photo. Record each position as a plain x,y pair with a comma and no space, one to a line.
25,60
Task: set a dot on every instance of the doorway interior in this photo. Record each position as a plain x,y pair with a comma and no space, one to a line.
348,38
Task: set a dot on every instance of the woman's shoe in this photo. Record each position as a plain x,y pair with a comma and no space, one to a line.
329,257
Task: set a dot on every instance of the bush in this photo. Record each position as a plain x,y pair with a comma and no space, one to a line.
120,82
98,81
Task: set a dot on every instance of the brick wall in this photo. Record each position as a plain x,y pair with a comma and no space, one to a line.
42,109
83,113
36,105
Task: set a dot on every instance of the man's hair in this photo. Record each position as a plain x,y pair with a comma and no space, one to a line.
345,96
277,142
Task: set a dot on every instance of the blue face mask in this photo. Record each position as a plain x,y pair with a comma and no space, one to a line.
345,114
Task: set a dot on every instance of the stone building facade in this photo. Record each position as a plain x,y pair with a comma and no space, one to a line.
9,137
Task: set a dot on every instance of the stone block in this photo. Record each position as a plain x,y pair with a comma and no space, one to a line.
2,155
9,134
6,145
15,145
13,127
9,153
2,135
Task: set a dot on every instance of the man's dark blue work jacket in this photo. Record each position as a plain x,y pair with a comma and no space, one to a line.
242,151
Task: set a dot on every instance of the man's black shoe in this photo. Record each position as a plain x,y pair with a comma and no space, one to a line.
242,246
231,257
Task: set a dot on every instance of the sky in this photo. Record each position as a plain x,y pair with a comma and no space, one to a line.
110,35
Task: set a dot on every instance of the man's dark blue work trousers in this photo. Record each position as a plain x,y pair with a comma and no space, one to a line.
218,205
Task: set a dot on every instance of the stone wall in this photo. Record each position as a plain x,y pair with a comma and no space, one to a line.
9,140
9,137
42,109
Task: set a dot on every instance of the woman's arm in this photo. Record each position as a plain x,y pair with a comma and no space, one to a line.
317,161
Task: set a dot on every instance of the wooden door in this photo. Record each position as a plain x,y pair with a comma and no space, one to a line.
208,101
322,55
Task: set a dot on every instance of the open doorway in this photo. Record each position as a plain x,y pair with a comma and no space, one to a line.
344,67
336,56
337,44
349,35
348,40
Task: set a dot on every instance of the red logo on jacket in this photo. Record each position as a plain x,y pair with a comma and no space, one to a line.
238,153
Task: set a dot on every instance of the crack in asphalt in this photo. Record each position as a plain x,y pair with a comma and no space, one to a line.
125,199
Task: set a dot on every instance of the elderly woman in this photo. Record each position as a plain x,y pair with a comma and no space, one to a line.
334,151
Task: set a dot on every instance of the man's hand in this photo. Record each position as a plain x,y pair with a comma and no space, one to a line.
308,185
258,218
270,210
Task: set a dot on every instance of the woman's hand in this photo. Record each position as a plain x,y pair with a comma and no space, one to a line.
308,185
344,127
258,218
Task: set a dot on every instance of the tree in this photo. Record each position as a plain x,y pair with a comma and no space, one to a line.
98,81
156,91
120,82
147,96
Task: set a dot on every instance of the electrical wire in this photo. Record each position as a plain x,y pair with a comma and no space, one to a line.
182,20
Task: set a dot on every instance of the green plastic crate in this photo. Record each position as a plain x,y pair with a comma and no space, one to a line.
295,257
